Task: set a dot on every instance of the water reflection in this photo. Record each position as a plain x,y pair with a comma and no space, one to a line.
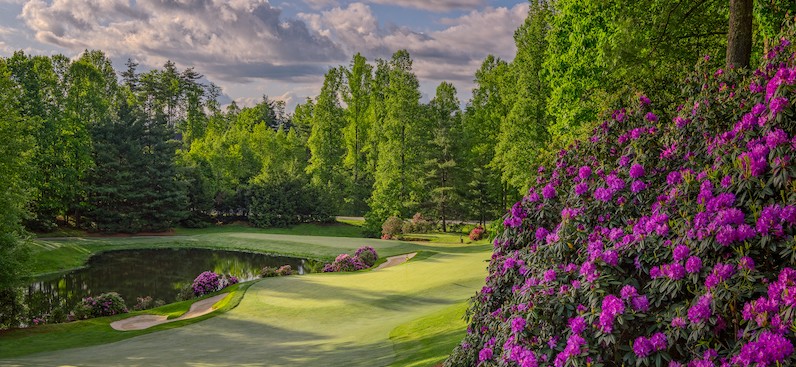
160,274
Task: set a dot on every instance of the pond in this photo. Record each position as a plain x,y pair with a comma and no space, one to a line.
160,274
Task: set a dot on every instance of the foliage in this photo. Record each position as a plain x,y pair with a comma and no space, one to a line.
477,233
655,242
344,262
145,303
285,202
106,304
206,282
364,257
392,227
367,255
284,270
269,272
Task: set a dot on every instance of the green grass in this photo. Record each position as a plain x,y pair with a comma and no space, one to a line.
336,229
54,337
429,339
405,315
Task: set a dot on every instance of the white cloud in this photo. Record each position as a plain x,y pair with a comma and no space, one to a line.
232,40
433,5
235,42
453,53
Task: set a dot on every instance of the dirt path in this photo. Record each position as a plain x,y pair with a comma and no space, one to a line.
396,260
197,309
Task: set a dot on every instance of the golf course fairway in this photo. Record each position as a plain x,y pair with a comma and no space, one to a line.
331,319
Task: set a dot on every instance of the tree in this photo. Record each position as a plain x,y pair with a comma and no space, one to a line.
442,168
325,142
481,123
356,95
739,37
523,135
15,161
400,149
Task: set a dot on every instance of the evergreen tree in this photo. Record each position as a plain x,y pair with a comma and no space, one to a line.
443,172
400,155
356,95
326,145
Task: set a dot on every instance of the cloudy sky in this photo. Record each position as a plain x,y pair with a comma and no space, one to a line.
279,48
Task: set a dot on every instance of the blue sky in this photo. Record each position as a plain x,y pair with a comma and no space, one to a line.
279,48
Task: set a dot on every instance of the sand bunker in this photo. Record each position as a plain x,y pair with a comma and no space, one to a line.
197,309
396,260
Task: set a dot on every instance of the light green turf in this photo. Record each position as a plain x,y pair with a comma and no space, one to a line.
341,319
60,254
428,340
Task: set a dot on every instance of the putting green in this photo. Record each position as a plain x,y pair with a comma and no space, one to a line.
312,320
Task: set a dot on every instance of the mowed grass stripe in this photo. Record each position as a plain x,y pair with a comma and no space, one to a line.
313,320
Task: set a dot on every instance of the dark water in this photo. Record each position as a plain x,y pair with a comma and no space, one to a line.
160,274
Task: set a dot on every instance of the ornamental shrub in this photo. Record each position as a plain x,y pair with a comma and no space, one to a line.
345,262
269,272
207,282
284,270
367,255
391,227
477,233
667,238
106,304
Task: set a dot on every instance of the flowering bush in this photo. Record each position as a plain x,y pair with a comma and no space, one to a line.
269,272
655,242
284,270
106,304
477,233
391,227
344,262
205,283
367,255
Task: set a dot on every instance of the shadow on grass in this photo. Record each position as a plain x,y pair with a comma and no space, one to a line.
426,351
221,342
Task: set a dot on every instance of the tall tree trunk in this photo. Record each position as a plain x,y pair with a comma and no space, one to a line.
739,38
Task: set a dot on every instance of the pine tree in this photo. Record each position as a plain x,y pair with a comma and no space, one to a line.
442,169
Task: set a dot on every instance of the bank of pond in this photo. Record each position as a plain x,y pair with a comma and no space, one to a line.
143,279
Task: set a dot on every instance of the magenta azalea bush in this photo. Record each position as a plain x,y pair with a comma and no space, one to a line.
367,255
363,258
209,282
344,262
477,233
106,304
667,239
206,282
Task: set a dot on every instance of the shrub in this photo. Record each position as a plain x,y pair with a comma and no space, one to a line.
207,282
106,304
392,227
655,243
344,262
420,224
477,233
284,270
143,303
269,272
367,255
408,227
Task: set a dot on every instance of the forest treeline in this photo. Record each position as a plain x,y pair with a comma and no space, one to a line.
135,151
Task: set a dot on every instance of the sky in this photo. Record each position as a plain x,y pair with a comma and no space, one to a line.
278,48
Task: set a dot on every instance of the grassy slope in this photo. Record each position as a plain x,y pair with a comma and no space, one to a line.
354,319
407,315
97,331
